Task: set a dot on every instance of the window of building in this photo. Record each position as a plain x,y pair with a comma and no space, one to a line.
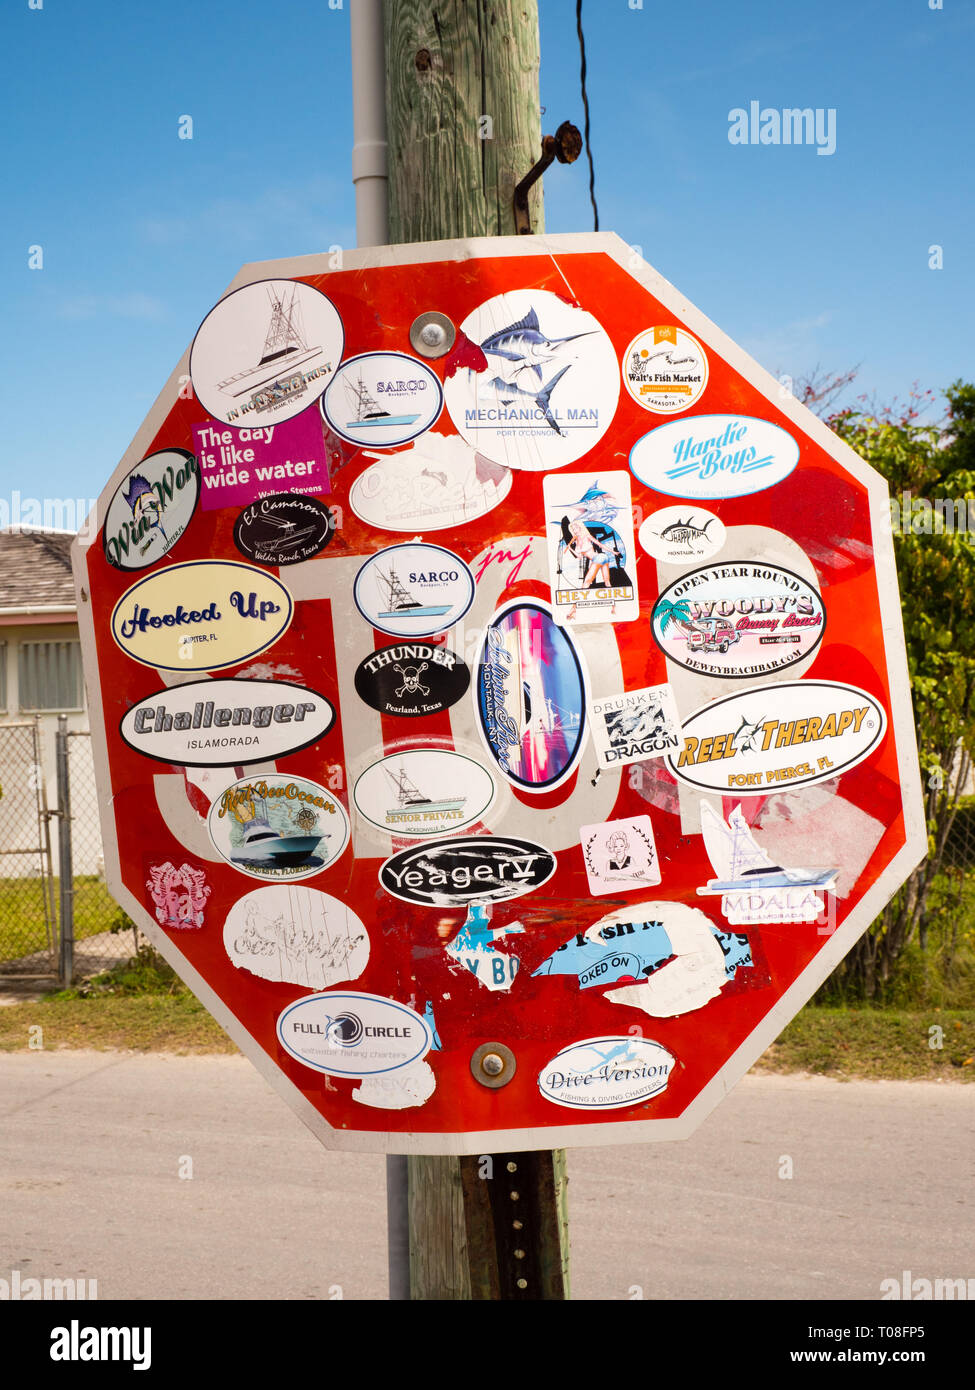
49,676
3,677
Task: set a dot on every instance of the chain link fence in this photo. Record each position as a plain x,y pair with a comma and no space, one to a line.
28,920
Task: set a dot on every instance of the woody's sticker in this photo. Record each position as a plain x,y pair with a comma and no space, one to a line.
665,370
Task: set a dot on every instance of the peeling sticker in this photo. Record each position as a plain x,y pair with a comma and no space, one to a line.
401,1089
348,1034
679,534
473,948
278,827
665,370
621,946
753,888
692,979
592,565
634,726
606,1073
437,483
296,934
179,895
413,590
620,855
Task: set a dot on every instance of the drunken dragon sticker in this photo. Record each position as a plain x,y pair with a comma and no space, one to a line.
592,566
413,590
665,370
151,509
277,827
635,725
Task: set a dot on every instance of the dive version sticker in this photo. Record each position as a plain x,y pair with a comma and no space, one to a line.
738,619
592,567
606,1073
226,723
620,855
284,529
423,791
546,383
241,465
478,868
278,827
201,616
347,1034
151,509
382,399
679,534
296,934
412,679
530,697
665,369
413,590
753,889
634,726
266,352
781,736
714,456
436,484
179,896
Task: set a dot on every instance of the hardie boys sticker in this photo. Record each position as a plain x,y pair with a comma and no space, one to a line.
678,535
478,868
606,1073
382,399
438,483
412,679
277,827
201,616
738,619
151,509
347,1034
283,529
714,456
665,369
413,590
423,791
592,567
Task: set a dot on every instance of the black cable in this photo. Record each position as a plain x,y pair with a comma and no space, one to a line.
585,107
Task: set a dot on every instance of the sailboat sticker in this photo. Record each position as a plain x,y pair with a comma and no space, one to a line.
424,791
753,888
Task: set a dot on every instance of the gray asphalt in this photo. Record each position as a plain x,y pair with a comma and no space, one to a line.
91,1146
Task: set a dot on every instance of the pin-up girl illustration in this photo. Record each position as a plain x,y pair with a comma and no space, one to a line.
589,536
618,851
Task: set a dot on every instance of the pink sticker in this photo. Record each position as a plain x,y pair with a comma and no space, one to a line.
620,855
179,894
237,466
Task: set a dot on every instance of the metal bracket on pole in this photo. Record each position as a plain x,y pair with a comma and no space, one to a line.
565,146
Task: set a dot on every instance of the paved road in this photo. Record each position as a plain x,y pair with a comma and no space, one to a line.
91,1146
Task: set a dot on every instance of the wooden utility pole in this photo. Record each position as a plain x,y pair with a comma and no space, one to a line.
463,128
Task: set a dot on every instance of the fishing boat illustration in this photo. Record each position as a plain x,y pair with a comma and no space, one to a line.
742,864
262,845
410,800
400,603
285,347
368,412
289,534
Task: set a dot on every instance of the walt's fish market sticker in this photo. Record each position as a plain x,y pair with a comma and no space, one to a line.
284,529
606,1073
412,679
665,369
546,384
592,566
226,723
201,616
780,736
423,791
712,456
289,932
620,855
679,534
635,725
346,1034
240,465
413,590
477,868
738,619
151,509
278,827
382,399
438,483
266,352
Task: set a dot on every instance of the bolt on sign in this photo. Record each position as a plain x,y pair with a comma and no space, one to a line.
498,692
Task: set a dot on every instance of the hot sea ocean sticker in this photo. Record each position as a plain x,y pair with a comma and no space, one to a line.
382,399
477,868
412,679
423,791
151,509
296,934
678,534
738,619
347,1034
439,482
530,697
606,1073
665,369
592,567
278,827
753,889
413,590
634,726
709,456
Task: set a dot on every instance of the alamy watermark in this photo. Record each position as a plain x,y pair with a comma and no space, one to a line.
20,513
924,1290
792,125
938,516
18,1289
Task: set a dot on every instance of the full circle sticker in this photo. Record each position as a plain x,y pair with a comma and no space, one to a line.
665,370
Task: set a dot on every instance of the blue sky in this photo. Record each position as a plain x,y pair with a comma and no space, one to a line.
804,259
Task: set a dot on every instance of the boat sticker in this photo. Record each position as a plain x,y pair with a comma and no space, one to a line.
342,1033
179,896
627,945
693,976
201,616
242,465
477,868
679,535
620,855
151,509
399,1090
296,934
382,399
665,370
785,735
412,679
634,726
438,483
542,385
265,353
530,697
709,456
752,887
423,791
413,590
226,723
592,565
606,1073
278,827
284,530
738,619
474,948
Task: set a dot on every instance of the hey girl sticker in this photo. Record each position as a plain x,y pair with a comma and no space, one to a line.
665,370
413,590
382,399
592,567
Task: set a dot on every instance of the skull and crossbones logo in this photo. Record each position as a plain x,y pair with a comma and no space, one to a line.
411,680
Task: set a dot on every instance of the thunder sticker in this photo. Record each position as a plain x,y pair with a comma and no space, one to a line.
278,828
592,566
665,369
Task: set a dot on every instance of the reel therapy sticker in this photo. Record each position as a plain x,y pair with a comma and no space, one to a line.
592,565
151,509
382,399
277,827
413,590
665,369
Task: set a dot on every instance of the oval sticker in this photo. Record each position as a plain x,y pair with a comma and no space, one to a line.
278,827
226,723
151,509
347,1034
283,529
710,456
478,868
381,399
413,590
201,616
412,679
680,535
425,791
438,483
774,737
530,697
606,1073
738,619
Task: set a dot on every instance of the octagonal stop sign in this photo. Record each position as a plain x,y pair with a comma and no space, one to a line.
498,693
